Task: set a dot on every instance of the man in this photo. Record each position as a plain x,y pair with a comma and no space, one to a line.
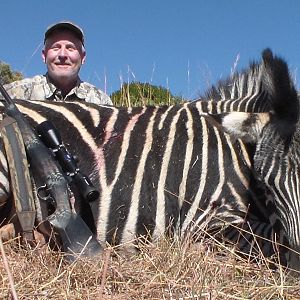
63,54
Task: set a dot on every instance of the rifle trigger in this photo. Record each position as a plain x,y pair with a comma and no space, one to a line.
43,194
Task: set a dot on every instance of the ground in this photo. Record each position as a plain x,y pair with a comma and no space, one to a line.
166,270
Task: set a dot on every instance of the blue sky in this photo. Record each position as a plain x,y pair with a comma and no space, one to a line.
182,45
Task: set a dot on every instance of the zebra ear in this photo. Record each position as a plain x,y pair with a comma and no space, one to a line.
245,126
282,93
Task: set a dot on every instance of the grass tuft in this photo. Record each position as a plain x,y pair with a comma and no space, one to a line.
163,270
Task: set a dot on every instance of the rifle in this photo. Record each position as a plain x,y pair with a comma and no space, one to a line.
75,234
51,138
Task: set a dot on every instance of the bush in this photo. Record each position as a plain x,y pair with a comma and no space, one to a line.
140,94
7,75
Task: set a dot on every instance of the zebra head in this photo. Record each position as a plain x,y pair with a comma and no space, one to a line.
277,138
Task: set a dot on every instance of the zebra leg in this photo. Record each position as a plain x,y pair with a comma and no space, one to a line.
256,239
249,237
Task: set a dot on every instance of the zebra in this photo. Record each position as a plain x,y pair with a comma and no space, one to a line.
277,158
169,168
240,92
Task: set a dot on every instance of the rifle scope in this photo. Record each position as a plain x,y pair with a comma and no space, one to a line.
52,139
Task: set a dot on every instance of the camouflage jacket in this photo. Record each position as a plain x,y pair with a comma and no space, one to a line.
39,88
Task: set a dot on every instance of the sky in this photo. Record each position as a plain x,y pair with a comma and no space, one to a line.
184,46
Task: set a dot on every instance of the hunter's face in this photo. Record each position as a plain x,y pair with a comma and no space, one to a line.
63,54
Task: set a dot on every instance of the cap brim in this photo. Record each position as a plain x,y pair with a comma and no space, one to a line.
68,26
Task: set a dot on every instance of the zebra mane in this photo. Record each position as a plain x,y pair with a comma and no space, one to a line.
244,83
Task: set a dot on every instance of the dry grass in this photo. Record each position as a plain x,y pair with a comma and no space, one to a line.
166,270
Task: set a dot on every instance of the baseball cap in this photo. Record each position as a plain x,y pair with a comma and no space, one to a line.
65,25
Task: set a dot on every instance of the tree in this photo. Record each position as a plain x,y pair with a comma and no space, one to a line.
7,75
139,94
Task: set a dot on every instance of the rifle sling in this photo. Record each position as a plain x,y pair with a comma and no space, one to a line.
20,181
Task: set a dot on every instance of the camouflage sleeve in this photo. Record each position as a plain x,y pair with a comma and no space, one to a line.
97,96
14,90
106,99
19,89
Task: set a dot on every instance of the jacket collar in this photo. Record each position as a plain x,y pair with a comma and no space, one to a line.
51,90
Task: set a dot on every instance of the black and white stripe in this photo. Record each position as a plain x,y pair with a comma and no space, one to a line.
277,157
165,169
155,167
